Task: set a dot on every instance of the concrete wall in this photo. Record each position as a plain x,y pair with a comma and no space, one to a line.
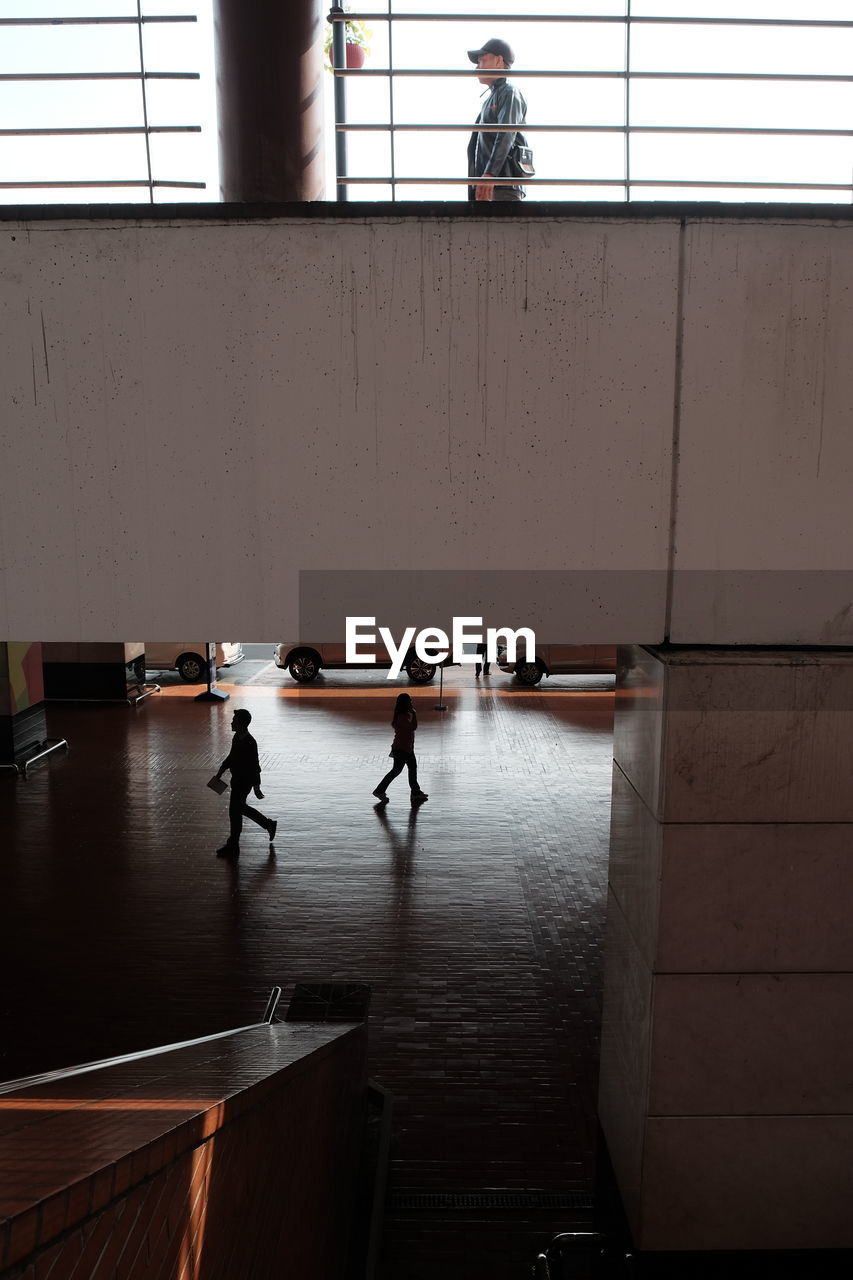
196,411
764,443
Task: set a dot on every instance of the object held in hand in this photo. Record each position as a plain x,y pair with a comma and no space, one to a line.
216,784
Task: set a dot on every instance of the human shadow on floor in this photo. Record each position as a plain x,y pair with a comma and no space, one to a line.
402,842
258,872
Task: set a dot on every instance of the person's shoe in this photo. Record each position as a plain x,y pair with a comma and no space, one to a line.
273,828
380,795
228,851
476,671
419,796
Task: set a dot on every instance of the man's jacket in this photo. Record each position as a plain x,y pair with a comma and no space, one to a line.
489,152
243,761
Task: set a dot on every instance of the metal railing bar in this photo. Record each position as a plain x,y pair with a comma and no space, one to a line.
380,1181
595,128
144,100
99,75
136,1055
595,75
627,128
391,101
465,181
647,20
726,129
272,1005
605,182
94,22
65,1073
112,182
744,186
627,111
130,128
141,76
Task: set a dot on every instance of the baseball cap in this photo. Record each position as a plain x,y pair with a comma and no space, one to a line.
500,47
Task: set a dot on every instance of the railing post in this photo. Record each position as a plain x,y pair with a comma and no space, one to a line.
339,60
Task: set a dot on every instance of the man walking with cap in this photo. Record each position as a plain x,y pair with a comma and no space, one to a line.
245,768
490,154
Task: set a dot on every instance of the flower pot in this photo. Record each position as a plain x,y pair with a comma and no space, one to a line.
355,56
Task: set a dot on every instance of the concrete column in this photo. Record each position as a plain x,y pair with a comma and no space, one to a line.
22,719
269,69
100,671
726,1091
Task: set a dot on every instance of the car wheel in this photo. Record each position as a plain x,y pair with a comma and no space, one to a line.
420,672
191,667
529,672
304,667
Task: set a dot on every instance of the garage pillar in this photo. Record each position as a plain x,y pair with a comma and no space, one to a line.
90,670
22,719
726,1092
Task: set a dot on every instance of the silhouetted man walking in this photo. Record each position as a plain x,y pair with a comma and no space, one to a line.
245,768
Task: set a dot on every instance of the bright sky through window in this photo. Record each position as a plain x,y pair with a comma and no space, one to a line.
587,163
112,103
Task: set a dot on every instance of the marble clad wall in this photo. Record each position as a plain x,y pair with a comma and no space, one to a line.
727,1049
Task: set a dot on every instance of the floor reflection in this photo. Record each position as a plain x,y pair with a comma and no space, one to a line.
477,918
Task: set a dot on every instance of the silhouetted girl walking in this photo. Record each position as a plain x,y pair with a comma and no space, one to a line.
404,724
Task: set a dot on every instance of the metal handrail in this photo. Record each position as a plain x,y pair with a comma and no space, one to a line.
85,130
100,182
65,1073
629,21
33,751
709,184
594,128
36,77
569,1240
97,22
272,1004
590,18
518,73
380,1181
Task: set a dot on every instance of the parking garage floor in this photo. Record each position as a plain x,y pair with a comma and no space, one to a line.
477,919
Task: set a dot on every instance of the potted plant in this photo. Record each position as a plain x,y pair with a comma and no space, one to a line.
358,38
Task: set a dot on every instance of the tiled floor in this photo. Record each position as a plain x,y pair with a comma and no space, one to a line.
477,918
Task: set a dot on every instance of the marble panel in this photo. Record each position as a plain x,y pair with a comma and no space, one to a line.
751,897
752,1044
758,736
623,1079
636,838
763,1182
638,725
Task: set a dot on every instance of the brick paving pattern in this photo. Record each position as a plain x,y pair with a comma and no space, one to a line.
478,918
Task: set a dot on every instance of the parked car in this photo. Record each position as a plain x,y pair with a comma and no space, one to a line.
560,660
305,661
189,657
